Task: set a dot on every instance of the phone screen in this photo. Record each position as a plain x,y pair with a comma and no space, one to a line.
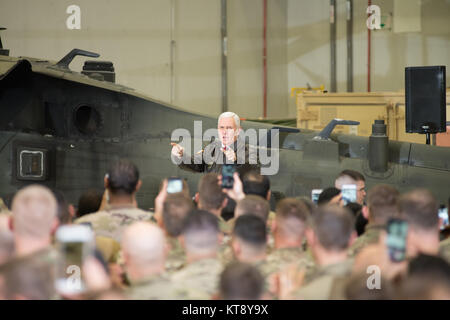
74,243
315,193
397,230
174,185
348,193
227,175
443,214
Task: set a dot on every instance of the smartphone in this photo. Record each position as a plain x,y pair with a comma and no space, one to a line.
227,175
174,185
315,193
443,214
74,244
348,193
397,230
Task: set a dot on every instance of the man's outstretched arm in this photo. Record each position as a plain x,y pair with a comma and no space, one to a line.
192,163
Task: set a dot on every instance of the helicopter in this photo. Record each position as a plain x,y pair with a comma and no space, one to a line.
63,129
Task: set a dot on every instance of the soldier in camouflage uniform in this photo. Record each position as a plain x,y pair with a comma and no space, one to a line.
381,206
241,281
34,216
121,183
211,198
249,245
255,205
144,251
420,209
289,232
175,210
330,233
201,238
30,277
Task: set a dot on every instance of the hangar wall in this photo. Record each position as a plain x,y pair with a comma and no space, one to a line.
136,36
309,50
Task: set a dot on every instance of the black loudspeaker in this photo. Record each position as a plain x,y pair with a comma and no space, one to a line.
425,99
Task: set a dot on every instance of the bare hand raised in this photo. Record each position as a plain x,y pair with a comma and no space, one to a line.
177,150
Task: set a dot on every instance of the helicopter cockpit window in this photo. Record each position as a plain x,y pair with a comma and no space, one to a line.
31,164
87,119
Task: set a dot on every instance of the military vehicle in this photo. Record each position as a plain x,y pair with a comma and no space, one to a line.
63,128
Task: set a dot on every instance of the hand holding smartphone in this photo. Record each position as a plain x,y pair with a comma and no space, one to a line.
397,231
348,193
315,193
75,243
174,185
227,176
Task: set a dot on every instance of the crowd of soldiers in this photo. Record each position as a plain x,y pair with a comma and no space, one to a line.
184,248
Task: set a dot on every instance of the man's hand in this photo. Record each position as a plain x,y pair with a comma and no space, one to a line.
230,154
159,203
177,150
237,193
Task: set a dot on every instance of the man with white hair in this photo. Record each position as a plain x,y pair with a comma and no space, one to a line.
229,148
144,251
34,218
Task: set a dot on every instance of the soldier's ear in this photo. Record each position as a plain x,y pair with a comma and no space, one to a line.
72,211
106,181
139,185
11,223
197,197
236,247
310,237
55,226
352,239
224,202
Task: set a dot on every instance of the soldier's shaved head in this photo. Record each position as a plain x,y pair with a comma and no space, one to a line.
291,217
201,232
34,209
254,205
143,244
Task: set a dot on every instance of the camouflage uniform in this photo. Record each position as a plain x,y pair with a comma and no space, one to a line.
224,226
156,287
319,285
176,258
337,269
41,263
198,280
284,257
370,236
444,249
226,254
108,247
111,221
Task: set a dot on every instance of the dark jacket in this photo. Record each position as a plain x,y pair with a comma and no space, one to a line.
198,164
